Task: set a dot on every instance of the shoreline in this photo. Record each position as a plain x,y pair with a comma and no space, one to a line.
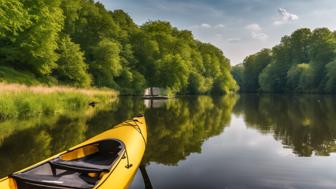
19,101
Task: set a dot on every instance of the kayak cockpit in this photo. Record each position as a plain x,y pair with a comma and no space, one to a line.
80,168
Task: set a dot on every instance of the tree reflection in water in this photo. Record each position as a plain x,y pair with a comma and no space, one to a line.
304,123
177,127
182,125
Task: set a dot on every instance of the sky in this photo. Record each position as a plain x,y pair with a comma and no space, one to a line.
238,27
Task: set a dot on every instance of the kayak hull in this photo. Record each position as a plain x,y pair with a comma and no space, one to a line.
133,136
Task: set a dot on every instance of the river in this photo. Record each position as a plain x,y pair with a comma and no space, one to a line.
230,142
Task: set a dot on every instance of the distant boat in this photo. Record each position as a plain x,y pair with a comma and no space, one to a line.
155,93
108,160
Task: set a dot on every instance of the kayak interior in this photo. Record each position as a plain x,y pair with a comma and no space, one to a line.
80,168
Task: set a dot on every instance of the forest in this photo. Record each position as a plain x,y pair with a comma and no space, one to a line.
304,62
80,43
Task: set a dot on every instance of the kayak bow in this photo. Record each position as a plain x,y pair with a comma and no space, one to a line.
106,161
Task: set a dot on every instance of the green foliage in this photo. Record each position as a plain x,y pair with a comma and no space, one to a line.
72,68
253,65
172,59
224,85
28,104
237,73
172,72
106,63
14,18
66,42
132,82
302,62
198,84
331,77
298,77
37,45
32,38
25,105
9,75
7,107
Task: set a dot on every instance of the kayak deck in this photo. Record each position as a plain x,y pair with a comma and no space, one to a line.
80,168
107,160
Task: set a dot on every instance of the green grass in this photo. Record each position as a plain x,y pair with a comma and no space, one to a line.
27,104
10,75
21,102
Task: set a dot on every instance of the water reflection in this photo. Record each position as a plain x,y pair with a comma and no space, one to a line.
155,103
181,126
304,123
251,141
254,142
38,141
25,142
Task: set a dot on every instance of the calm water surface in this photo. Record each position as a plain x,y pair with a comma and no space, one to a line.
230,142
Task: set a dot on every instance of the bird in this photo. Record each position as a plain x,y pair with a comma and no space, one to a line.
93,104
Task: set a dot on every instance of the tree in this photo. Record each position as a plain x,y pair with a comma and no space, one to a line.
106,65
270,80
14,18
237,73
322,52
198,84
298,77
331,77
131,82
300,41
72,68
30,41
72,40
253,65
173,73
39,43
302,62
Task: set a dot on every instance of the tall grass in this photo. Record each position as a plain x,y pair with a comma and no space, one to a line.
21,101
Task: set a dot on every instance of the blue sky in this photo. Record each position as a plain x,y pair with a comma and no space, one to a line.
238,27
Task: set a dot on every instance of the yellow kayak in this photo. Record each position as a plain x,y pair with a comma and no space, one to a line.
106,161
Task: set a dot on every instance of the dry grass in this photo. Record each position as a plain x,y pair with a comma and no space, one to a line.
40,89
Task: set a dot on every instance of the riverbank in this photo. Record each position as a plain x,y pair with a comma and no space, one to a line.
22,101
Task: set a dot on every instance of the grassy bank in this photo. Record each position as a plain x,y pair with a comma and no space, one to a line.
21,101
10,75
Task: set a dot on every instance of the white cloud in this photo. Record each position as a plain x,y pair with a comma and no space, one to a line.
259,36
204,25
208,26
220,26
253,27
233,40
285,17
256,32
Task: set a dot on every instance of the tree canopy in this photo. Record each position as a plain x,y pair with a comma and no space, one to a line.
303,62
81,43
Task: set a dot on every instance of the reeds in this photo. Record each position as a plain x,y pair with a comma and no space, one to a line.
21,101
5,87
